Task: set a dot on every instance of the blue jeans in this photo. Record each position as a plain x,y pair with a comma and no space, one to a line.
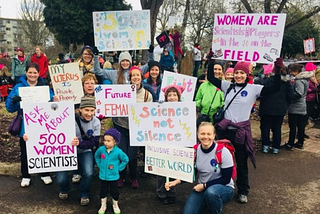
212,198
196,67
85,162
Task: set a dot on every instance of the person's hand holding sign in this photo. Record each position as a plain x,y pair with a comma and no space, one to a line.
75,142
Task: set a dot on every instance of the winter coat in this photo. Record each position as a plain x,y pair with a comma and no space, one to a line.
110,164
300,87
43,63
204,97
166,61
149,87
13,107
18,68
312,90
276,103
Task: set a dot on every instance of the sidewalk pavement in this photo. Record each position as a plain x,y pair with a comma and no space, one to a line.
287,183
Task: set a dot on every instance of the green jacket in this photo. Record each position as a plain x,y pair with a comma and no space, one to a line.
18,68
204,98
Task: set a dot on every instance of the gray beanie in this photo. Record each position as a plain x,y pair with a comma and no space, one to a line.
88,101
125,55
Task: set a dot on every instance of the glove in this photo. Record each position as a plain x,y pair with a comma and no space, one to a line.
15,99
151,49
278,65
95,50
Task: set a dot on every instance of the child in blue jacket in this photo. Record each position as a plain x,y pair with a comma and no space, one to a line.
111,160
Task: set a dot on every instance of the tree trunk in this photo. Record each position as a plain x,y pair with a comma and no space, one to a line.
185,19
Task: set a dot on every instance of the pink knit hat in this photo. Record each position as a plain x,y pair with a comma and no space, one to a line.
229,70
267,69
179,88
134,68
243,66
310,66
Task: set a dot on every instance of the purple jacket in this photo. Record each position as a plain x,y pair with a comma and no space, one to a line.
311,94
176,39
243,136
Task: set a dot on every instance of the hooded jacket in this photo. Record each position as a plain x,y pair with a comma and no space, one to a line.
42,61
13,107
18,68
300,86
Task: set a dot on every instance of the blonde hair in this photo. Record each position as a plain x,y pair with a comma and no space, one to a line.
107,64
89,76
38,46
5,71
207,124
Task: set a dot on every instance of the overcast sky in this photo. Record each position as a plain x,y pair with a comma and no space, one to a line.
9,8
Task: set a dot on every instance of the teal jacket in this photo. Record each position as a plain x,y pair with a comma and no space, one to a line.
204,98
18,68
110,164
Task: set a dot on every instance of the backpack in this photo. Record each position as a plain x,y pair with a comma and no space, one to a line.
220,144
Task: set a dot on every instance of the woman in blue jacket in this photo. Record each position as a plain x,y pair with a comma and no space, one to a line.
29,79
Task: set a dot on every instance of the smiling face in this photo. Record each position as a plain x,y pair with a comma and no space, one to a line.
87,113
136,77
206,135
240,76
38,51
88,87
125,64
172,96
108,141
32,76
87,56
229,76
217,70
154,73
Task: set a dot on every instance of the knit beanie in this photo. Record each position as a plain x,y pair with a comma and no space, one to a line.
114,133
267,69
310,66
154,63
135,68
229,70
88,101
243,66
125,55
179,88
86,47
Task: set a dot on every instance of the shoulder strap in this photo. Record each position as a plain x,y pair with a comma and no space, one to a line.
146,94
79,125
234,96
212,101
219,153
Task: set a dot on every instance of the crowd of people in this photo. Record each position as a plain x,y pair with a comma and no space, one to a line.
221,88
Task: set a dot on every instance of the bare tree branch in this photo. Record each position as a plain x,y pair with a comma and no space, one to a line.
281,6
267,4
247,6
308,15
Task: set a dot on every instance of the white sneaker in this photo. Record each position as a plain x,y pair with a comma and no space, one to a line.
25,182
76,178
46,180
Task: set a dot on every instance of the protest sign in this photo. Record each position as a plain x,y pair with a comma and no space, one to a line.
50,128
66,82
163,39
112,100
122,30
167,123
248,37
169,161
188,82
34,94
309,46
171,21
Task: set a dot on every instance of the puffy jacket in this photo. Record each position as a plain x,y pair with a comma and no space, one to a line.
110,164
166,61
42,61
312,90
13,107
204,97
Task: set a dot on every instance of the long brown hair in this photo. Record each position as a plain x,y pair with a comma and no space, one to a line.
120,73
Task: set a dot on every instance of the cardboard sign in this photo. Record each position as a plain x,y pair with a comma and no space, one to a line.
248,37
50,128
163,39
188,82
309,46
169,161
122,30
112,100
166,123
34,94
66,82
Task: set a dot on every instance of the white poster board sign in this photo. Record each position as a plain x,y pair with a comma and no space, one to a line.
188,82
169,161
122,30
113,100
167,123
50,128
35,94
309,46
248,37
171,21
66,82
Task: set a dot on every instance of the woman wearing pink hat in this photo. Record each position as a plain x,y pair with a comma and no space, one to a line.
313,91
239,98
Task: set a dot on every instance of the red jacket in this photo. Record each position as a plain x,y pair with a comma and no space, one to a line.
42,61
